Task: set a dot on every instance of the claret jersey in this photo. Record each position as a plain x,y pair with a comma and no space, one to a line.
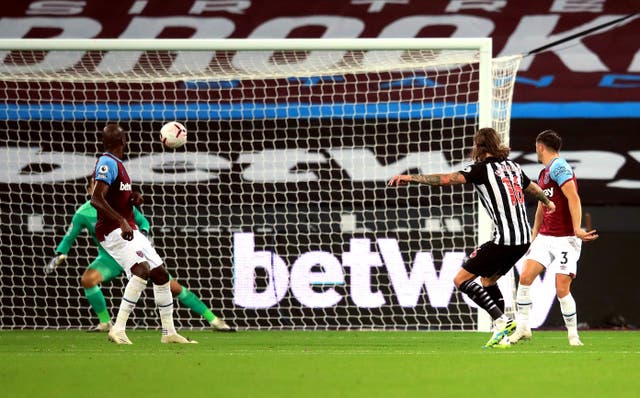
109,169
551,179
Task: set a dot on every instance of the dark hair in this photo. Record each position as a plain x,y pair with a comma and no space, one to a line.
487,141
550,139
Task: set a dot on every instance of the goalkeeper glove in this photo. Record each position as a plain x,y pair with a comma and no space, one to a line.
54,262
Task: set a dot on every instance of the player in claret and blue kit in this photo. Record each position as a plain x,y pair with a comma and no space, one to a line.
557,238
119,236
104,269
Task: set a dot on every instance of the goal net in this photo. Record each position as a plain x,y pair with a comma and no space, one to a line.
276,212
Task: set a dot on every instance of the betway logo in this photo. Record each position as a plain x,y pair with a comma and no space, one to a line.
359,164
304,275
548,192
324,269
125,187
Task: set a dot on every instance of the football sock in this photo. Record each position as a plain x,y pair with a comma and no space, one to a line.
164,301
568,308
523,306
98,303
132,293
496,295
480,296
191,301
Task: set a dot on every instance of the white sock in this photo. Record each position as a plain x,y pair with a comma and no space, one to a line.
568,308
164,301
132,293
523,306
500,322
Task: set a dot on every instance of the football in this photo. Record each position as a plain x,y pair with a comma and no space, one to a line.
173,135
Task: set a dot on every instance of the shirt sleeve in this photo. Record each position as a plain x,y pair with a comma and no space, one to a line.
560,171
77,225
525,180
140,220
106,170
473,173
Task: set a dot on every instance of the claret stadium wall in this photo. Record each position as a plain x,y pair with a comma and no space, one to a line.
284,174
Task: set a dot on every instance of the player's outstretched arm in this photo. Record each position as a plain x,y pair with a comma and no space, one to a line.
570,191
77,225
534,190
428,179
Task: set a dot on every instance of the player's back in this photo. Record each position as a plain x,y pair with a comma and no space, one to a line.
110,170
551,179
499,183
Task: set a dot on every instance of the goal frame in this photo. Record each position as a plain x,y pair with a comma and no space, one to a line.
482,45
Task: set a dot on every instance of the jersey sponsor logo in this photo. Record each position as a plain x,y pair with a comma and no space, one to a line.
548,192
125,187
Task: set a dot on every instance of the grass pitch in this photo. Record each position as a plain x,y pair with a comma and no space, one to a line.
317,364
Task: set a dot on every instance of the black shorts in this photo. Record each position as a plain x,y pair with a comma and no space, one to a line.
491,259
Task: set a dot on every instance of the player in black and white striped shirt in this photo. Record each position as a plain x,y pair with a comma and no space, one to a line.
501,184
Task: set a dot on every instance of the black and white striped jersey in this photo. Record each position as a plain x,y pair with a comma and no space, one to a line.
500,184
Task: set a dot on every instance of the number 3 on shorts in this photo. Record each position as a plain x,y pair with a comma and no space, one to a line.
564,258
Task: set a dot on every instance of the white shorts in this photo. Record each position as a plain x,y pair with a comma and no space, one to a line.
558,254
128,253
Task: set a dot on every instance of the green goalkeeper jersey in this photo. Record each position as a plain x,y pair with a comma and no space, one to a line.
85,218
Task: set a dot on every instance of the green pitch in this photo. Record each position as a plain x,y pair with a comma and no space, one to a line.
317,364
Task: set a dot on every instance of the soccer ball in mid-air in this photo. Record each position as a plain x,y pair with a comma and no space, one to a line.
173,135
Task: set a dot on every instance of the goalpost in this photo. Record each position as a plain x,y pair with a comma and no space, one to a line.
276,211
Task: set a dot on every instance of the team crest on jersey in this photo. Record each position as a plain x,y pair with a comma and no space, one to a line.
545,179
140,254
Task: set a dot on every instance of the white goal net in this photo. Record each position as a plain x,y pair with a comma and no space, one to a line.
276,212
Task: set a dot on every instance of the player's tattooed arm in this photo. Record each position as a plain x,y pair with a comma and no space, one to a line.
439,179
428,179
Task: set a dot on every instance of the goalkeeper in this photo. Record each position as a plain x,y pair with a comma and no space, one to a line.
104,269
